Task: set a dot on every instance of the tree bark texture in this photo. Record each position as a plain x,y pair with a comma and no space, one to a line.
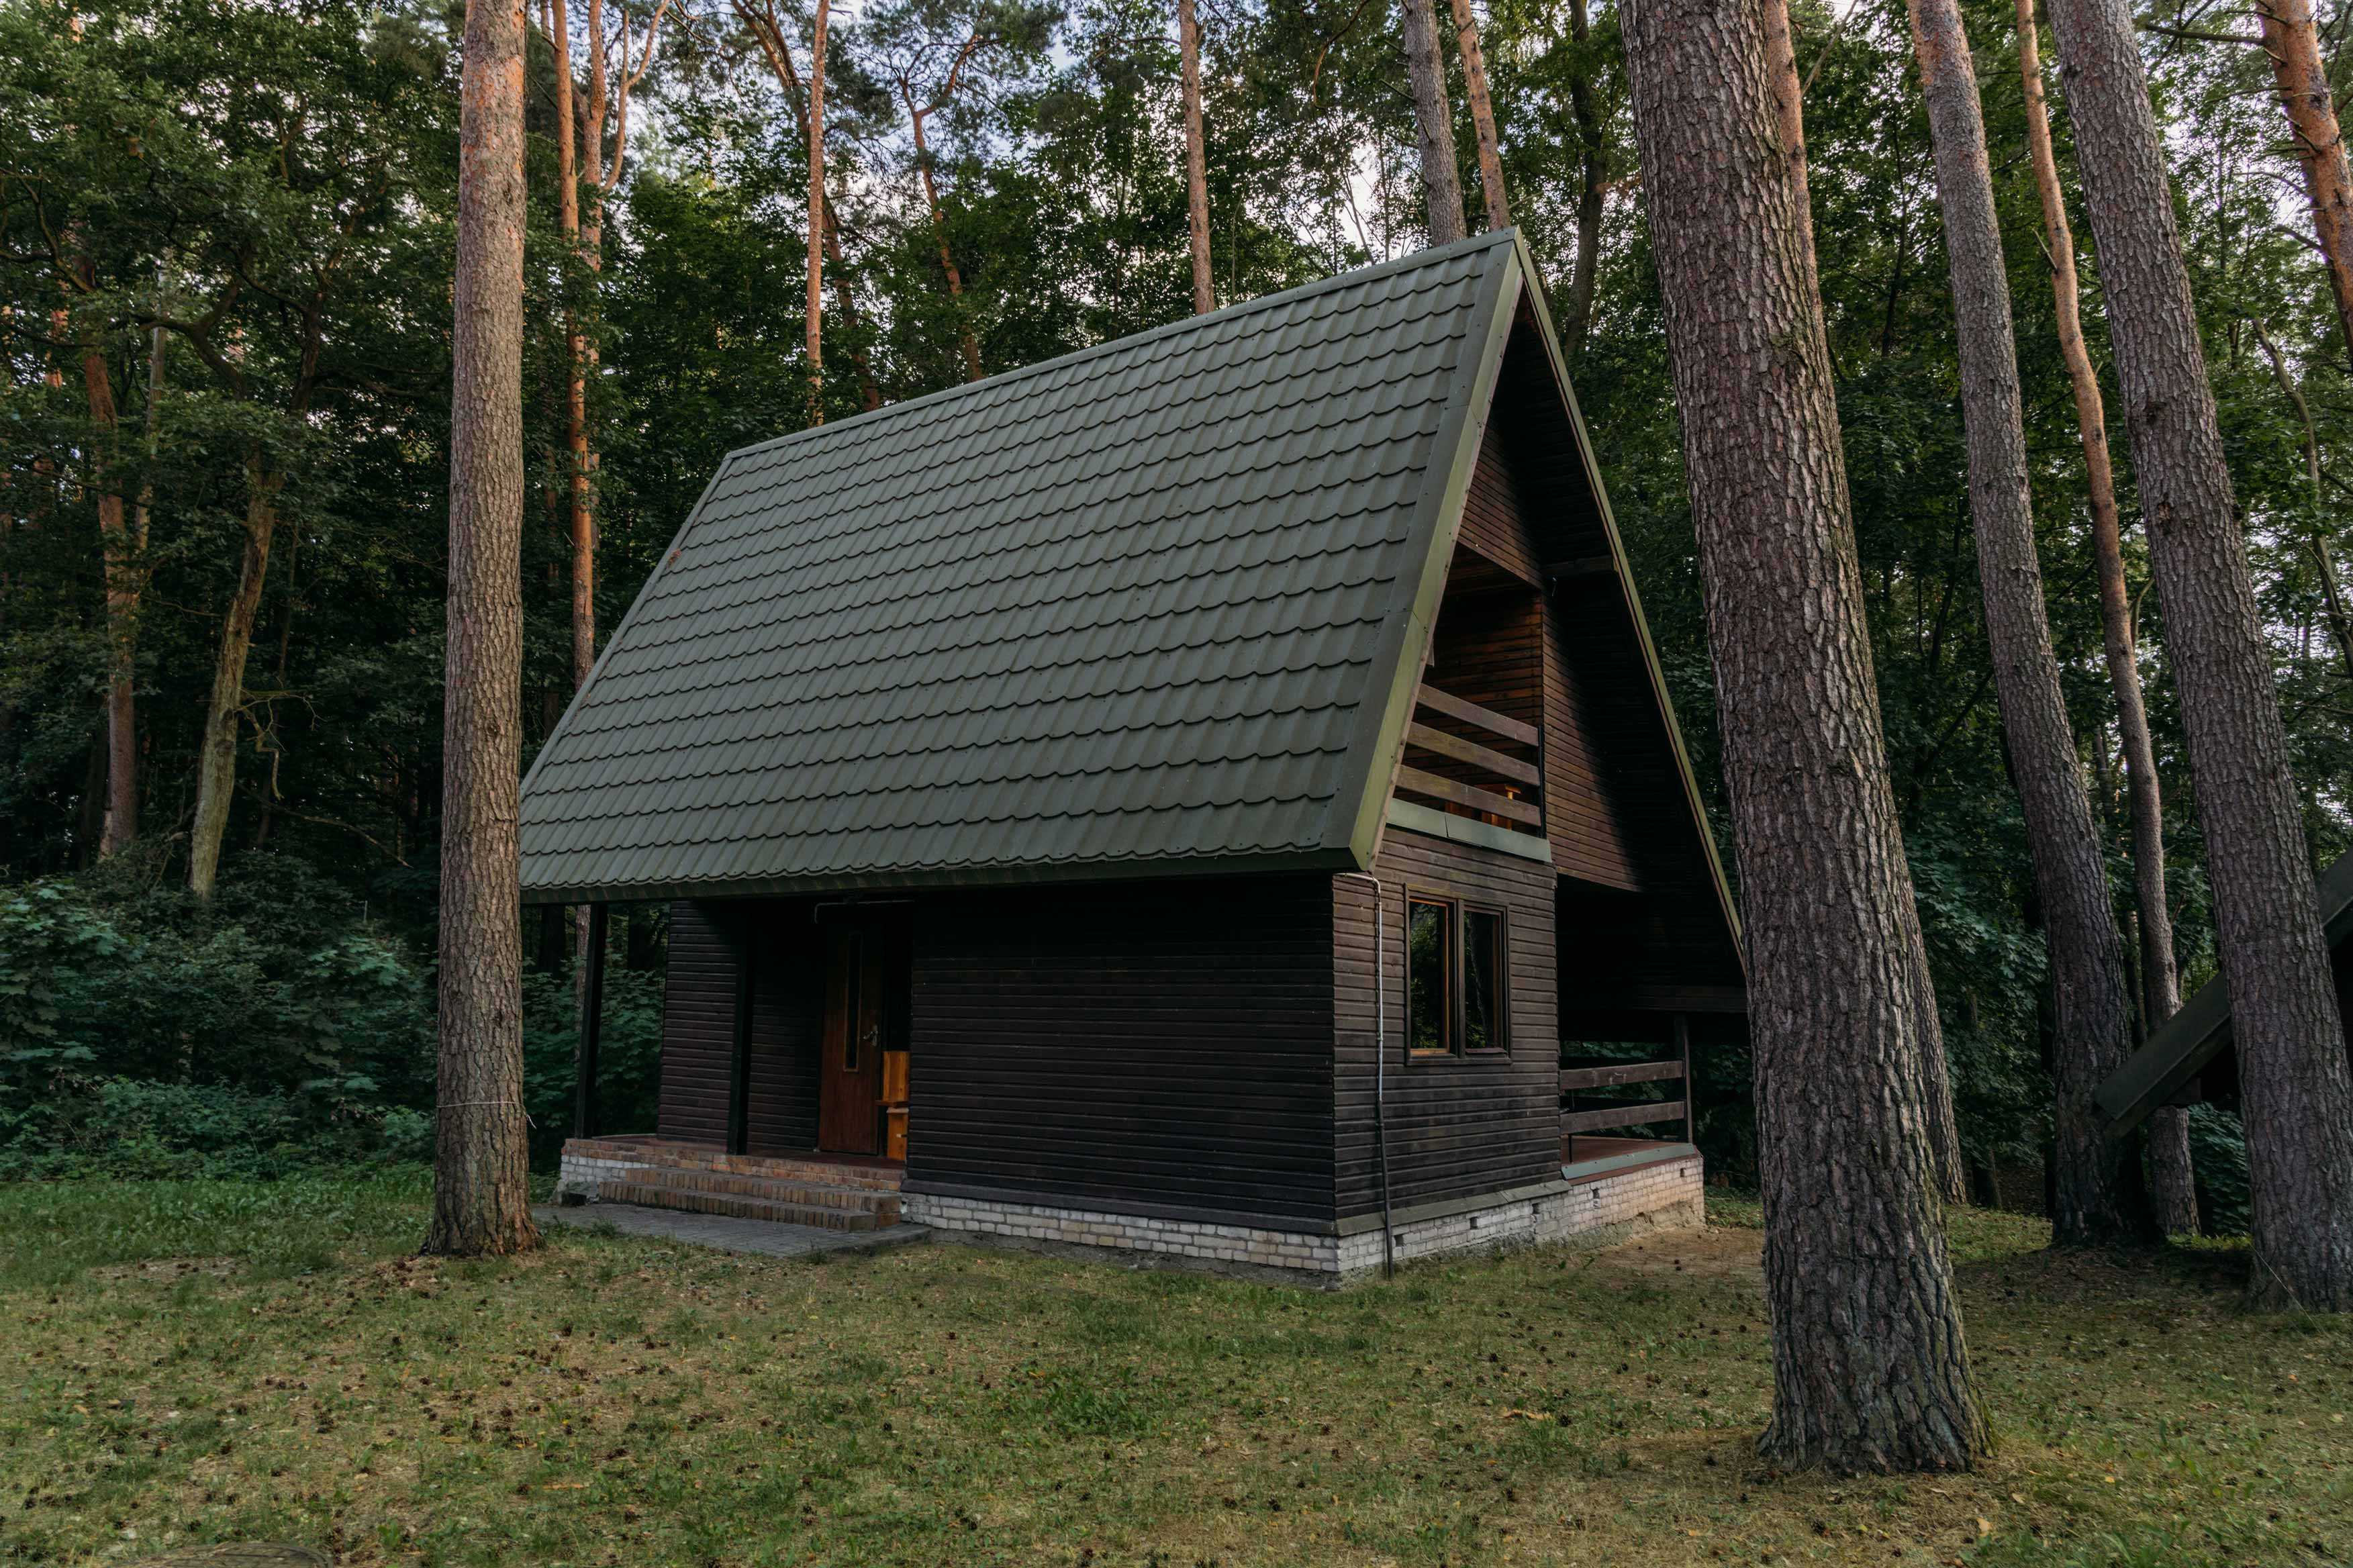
2296,1090
2301,72
1482,115
815,305
2160,981
583,515
1197,158
481,1202
1943,1127
1871,1370
767,30
2173,1178
1425,72
2091,1005
1577,309
120,565
224,709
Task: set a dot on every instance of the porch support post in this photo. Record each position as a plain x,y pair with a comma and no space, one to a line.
1691,1089
739,1077
592,1026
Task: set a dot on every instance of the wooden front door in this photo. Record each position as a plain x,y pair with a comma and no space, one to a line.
858,1026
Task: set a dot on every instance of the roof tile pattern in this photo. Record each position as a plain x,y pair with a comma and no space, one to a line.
1117,609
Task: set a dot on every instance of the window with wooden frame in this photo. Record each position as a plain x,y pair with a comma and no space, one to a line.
1429,968
1457,976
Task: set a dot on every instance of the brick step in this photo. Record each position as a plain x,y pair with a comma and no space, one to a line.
776,1189
689,1200
822,1172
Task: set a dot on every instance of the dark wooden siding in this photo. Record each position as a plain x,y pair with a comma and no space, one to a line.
1642,929
697,1025
1165,1043
698,1022
1458,1127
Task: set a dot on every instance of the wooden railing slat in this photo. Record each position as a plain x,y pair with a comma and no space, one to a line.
1469,712
1617,1073
1420,783
1621,1116
1471,751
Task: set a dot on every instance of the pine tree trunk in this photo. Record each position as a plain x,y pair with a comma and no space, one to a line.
2296,1090
844,305
1425,71
766,31
217,753
2301,72
1482,115
2091,1005
1940,1125
969,343
1870,1368
576,349
119,567
1576,308
814,299
481,1154
582,460
1197,159
2172,1179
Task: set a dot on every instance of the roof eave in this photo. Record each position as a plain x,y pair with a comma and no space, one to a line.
1360,808
947,878
2153,1075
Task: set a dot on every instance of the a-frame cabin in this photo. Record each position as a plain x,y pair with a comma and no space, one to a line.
1195,795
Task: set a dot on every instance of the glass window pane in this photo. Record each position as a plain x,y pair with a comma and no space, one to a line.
1483,991
1430,954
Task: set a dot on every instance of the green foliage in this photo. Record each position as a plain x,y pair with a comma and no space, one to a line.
626,1396
143,1034
629,1055
2218,1155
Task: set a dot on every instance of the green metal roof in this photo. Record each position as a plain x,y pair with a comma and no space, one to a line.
1151,607
2153,1075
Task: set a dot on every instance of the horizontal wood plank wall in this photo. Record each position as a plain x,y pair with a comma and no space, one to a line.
699,1023
1457,1126
1163,1043
1580,812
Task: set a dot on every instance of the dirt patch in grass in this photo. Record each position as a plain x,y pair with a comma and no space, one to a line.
166,1270
615,1400
1718,1252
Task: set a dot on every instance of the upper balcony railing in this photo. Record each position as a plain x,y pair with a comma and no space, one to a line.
1500,788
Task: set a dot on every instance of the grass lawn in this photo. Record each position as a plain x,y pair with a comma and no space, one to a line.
191,1362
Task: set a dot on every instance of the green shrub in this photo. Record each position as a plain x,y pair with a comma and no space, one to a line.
2218,1154
144,1034
628,1056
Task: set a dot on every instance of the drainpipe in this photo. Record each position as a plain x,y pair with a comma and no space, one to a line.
1380,1070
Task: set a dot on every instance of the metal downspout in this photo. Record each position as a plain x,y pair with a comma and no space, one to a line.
1380,1071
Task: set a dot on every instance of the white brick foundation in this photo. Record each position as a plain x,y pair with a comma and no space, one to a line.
1598,1208
581,1173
